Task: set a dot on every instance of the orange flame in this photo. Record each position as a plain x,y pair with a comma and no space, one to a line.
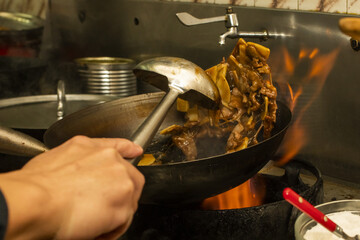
320,67
249,193
289,64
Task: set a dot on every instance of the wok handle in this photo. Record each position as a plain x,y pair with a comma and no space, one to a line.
147,130
17,143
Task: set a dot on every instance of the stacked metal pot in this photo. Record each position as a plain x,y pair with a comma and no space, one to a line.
107,75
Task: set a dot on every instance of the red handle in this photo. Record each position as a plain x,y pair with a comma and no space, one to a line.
304,206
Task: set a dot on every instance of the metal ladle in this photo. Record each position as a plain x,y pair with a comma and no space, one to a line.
175,76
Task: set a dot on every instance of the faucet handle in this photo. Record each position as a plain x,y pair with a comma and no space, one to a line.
189,20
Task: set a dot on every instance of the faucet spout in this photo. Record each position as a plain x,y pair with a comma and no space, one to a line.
231,33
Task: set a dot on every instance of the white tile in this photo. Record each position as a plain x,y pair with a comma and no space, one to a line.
309,4
323,5
182,0
249,3
263,3
195,1
287,4
353,7
338,6
204,1
223,1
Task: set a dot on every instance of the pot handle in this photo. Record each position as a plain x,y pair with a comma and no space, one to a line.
61,99
17,143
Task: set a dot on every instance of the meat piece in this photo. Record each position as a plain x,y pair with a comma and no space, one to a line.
210,132
235,137
270,93
186,143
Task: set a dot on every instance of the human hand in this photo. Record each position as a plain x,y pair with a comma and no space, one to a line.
83,189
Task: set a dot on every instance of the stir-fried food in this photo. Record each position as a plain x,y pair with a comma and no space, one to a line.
248,103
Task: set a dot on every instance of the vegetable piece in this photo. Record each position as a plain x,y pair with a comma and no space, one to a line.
223,85
263,51
193,114
147,160
182,105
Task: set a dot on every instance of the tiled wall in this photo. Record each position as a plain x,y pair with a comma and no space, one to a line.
332,6
38,7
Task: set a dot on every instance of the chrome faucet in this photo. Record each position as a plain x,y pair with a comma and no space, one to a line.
231,23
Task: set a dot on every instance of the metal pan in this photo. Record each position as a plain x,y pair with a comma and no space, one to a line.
173,183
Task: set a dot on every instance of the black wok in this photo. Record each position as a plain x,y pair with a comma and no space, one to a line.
172,183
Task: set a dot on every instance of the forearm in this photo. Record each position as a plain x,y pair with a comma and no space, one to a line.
30,207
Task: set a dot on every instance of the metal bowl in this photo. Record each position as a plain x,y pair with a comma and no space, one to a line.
304,223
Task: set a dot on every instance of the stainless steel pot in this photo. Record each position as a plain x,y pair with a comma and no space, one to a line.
20,34
41,111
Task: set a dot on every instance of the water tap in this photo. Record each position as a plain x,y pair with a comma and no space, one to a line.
231,23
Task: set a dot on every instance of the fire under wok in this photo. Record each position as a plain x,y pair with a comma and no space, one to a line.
170,183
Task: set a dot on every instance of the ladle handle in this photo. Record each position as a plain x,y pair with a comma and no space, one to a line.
17,143
294,199
147,130
304,206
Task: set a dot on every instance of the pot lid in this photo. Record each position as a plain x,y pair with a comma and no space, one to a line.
39,112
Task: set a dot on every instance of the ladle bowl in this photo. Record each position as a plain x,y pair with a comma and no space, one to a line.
176,76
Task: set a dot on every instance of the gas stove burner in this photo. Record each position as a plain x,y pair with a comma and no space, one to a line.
273,220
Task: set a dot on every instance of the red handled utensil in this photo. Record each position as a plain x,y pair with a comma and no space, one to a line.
297,201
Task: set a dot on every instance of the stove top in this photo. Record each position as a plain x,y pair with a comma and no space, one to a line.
334,189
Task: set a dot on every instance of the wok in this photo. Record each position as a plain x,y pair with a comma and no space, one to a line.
178,182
